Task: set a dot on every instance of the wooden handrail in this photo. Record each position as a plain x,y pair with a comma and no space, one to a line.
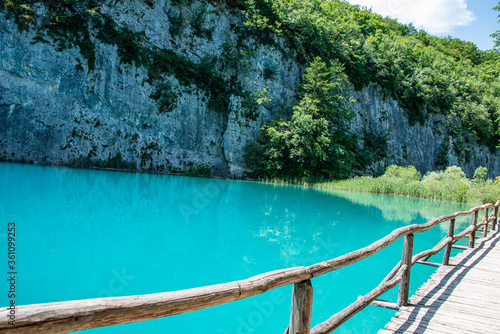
335,321
339,318
70,316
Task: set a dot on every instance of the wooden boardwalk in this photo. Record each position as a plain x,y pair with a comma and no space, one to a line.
462,298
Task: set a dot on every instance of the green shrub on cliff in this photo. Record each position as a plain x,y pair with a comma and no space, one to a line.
423,73
313,141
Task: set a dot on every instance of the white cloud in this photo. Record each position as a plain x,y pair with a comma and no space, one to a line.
435,16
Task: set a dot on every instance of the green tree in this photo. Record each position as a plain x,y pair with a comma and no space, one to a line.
326,88
496,35
298,147
480,174
452,183
313,142
406,173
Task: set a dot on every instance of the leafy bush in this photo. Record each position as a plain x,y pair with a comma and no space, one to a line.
450,184
199,170
480,174
406,173
313,142
486,192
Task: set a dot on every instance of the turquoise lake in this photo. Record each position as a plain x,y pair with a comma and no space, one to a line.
92,233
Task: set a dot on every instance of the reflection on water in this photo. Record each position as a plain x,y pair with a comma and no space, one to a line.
405,208
88,233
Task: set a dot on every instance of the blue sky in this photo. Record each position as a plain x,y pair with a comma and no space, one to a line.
470,20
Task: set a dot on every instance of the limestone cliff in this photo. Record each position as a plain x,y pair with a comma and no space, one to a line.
431,146
58,105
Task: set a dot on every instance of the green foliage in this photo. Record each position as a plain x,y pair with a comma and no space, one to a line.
496,35
200,170
297,147
326,88
127,41
381,185
176,25
409,173
262,21
313,142
451,185
374,149
115,162
480,174
165,97
423,72
24,14
269,71
252,101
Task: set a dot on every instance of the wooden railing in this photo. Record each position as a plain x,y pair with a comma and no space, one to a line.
70,316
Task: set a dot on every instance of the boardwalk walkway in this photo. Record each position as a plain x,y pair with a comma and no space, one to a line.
462,298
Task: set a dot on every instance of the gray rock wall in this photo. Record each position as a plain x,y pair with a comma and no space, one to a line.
54,110
423,146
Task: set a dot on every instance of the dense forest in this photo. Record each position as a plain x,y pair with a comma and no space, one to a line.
340,46
426,74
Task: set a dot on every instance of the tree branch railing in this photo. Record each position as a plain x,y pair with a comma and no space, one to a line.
71,316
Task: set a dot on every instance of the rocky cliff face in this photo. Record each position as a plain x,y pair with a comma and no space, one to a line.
56,108
431,146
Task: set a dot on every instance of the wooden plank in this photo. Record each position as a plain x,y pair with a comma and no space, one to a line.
460,247
472,238
495,218
385,304
416,327
485,230
442,325
451,319
406,260
300,315
70,316
339,318
464,292
427,263
451,232
457,299
419,313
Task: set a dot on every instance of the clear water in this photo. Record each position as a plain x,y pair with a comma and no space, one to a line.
88,233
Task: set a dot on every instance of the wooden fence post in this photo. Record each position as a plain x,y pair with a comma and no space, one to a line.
495,213
300,315
404,286
485,231
472,237
447,251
